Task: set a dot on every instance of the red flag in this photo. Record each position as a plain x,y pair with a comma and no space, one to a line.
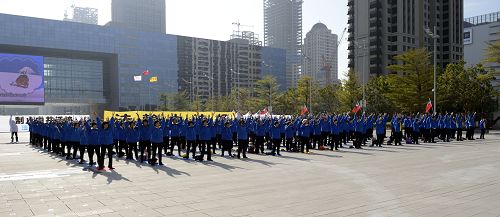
264,111
356,108
428,107
145,73
304,110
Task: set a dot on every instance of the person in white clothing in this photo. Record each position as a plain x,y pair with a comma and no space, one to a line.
13,130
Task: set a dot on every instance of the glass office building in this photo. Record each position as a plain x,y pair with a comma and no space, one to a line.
91,68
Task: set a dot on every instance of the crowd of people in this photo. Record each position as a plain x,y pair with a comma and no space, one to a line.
148,138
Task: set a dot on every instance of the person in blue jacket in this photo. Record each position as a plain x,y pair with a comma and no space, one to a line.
145,138
242,134
227,139
482,126
379,130
106,141
190,133
289,134
75,142
92,145
132,138
157,140
205,138
416,130
84,141
275,133
175,134
305,135
260,132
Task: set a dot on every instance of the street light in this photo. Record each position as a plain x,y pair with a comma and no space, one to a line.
434,36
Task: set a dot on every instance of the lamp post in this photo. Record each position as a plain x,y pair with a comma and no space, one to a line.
434,36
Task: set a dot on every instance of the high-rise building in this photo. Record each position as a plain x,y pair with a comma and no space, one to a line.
283,29
83,15
140,15
381,29
320,51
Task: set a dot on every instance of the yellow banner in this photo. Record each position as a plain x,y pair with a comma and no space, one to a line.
153,79
142,114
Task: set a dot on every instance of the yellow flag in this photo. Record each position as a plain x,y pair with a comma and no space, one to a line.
153,79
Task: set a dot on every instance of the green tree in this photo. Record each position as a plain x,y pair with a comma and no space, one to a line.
412,86
493,52
350,92
327,100
286,103
377,90
266,92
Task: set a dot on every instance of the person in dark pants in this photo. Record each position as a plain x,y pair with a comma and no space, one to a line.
133,134
482,126
289,134
145,138
190,133
227,139
275,138
205,139
106,141
242,134
13,130
175,131
157,140
93,142
260,132
305,131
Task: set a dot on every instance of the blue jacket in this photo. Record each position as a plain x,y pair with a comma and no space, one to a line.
275,132
132,135
289,131
305,131
106,135
145,130
242,131
227,134
205,133
190,133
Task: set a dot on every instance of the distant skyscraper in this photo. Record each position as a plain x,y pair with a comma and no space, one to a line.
83,15
381,29
141,15
320,51
283,29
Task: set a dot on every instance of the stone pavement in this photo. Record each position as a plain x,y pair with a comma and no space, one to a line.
443,179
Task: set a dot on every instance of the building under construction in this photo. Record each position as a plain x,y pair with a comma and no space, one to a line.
83,15
283,29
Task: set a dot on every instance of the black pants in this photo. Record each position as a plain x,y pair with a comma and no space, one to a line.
56,145
81,148
190,147
359,140
166,143
45,142
109,149
121,146
304,142
132,146
288,144
316,140
175,142
205,145
227,145
157,147
62,150
335,141
276,146
145,145
91,149
380,140
459,134
483,131
12,137
415,136
242,147
259,144
398,136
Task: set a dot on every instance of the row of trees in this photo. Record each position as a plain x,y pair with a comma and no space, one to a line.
460,88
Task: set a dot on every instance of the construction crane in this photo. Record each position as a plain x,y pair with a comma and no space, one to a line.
341,37
238,24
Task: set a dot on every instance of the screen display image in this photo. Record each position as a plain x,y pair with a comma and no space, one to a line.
21,79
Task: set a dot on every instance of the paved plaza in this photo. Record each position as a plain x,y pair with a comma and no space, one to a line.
443,179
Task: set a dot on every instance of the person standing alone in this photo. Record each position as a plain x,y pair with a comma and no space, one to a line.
13,130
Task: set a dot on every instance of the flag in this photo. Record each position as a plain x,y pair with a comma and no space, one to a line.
153,79
138,78
428,107
264,111
145,73
356,108
304,110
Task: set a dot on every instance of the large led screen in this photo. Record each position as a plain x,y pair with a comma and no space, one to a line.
21,79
